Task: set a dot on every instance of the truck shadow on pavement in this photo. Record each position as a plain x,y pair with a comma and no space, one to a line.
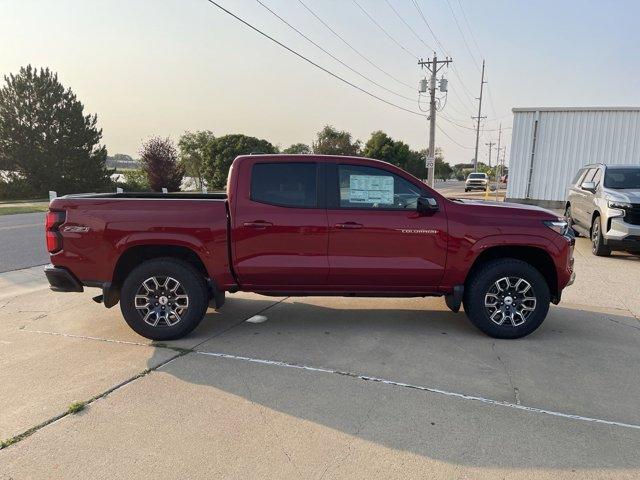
579,362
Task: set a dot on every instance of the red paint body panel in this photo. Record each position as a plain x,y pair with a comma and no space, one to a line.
116,225
275,248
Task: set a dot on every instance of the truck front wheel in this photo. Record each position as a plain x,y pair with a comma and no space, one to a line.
506,298
164,299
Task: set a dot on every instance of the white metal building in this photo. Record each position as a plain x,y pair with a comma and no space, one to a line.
549,145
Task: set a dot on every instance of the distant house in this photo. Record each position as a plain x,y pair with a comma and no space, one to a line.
122,161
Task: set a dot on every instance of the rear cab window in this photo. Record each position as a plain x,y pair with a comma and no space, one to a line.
285,184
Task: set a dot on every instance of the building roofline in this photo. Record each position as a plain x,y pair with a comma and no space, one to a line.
575,109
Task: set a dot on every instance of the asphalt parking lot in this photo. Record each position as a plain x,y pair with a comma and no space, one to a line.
324,388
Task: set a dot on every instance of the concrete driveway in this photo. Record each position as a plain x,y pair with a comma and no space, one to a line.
325,388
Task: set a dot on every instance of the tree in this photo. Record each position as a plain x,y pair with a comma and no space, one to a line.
382,147
298,148
46,140
222,152
194,149
334,142
159,161
443,169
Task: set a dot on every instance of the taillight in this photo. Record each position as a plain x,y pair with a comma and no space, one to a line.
53,220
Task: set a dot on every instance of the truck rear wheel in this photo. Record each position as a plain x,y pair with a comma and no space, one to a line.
506,298
164,299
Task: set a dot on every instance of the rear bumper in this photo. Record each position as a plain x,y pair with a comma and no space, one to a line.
62,280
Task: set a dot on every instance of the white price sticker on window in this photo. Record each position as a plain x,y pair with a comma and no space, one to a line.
371,189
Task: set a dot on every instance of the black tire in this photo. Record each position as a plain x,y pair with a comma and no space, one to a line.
466,189
173,319
598,246
567,215
510,308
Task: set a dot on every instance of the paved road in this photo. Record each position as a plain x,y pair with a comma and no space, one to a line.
22,241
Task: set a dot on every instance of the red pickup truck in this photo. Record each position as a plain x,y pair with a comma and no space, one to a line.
309,225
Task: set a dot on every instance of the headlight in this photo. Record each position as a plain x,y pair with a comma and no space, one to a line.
559,226
617,204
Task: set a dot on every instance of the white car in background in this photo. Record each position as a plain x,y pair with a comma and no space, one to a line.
476,181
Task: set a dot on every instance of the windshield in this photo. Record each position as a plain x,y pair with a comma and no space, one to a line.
477,175
622,178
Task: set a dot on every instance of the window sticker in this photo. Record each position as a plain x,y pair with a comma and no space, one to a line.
371,189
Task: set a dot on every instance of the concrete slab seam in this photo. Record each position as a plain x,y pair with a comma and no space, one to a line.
462,396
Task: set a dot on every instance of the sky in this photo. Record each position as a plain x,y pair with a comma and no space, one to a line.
163,67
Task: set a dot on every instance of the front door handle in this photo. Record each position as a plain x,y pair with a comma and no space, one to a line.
258,224
349,225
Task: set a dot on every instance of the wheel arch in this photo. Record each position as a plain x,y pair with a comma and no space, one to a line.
535,256
135,255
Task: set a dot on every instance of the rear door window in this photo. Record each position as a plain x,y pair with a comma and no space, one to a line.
285,184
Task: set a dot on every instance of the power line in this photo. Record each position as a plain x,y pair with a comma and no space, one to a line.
464,39
433,34
409,26
405,49
332,55
450,120
435,37
466,20
360,54
452,139
372,95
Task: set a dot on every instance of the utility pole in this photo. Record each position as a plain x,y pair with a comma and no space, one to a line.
434,67
478,118
490,145
501,164
497,158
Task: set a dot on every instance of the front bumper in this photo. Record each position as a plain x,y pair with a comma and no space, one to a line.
621,234
62,280
618,229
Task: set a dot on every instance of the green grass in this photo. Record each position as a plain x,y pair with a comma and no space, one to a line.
23,209
6,443
76,407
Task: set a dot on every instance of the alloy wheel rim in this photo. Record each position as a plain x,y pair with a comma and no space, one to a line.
510,299
161,301
595,236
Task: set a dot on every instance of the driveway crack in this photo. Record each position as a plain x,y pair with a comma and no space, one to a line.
516,391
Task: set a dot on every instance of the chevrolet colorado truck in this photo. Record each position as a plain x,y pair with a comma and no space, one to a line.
309,225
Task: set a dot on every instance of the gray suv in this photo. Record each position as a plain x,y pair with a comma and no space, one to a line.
603,203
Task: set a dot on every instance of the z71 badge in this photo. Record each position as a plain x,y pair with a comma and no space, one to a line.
75,229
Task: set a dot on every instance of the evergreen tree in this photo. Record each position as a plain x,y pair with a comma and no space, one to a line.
46,140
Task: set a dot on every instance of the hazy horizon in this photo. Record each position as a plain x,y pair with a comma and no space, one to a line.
162,68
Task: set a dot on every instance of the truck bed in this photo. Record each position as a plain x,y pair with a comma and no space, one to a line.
101,230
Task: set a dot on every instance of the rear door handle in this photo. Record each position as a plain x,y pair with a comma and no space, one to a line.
349,225
257,224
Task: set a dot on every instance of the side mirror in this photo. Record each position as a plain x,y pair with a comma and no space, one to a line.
427,205
589,187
